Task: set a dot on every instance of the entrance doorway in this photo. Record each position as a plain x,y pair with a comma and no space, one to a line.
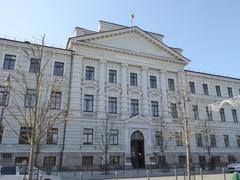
137,150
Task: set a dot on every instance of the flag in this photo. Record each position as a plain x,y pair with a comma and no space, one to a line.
132,18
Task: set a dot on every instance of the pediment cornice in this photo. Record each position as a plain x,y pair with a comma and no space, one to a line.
139,119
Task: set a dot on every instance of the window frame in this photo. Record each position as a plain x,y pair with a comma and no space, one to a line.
198,138
174,110
113,140
52,136
112,105
134,107
234,115
88,136
88,103
9,62
192,88
30,98
171,84
218,91
56,100
58,68
222,115
205,89
112,76
155,110
35,65
89,73
133,79
153,81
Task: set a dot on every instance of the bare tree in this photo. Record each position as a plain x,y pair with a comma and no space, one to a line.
36,101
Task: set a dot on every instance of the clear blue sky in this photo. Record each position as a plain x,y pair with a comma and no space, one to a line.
207,30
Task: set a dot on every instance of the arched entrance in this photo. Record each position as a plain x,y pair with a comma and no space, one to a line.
137,150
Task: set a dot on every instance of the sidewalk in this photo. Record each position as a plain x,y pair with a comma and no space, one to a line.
155,174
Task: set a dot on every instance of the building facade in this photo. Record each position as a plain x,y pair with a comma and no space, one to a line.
120,82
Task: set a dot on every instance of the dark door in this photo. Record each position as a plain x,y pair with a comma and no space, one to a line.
137,150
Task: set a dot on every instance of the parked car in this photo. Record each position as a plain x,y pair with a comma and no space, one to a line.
20,173
233,167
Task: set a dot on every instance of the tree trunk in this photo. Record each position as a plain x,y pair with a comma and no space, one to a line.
106,160
188,159
31,158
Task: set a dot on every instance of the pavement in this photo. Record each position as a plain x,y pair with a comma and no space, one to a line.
141,174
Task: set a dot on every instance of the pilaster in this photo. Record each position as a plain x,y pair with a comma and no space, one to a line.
145,108
124,95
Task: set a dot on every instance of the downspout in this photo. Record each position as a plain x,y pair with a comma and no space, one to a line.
66,113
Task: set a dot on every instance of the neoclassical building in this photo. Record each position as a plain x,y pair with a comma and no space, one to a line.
120,82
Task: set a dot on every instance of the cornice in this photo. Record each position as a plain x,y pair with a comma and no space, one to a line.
127,52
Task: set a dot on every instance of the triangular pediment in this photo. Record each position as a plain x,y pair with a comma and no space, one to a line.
138,120
132,39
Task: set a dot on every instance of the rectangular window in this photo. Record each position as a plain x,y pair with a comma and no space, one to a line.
133,79
1,133
21,161
171,85
114,137
6,155
159,138
153,82
112,105
134,107
4,96
198,140
88,103
34,65
222,115
182,161
230,92
30,98
231,159
49,161
89,75
58,69
213,140
238,140
87,160
178,136
226,140
25,135
205,89
234,114
218,91
174,112
192,87
88,136
115,160
56,100
155,112
9,62
209,113
52,136
195,112
112,76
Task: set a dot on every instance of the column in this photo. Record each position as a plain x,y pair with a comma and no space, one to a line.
124,95
101,103
164,101
144,78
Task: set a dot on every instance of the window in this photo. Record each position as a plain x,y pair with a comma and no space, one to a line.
25,135
58,69
199,140
195,112
1,133
87,160
218,91
4,96
30,98
231,159
182,161
238,140
153,82
89,73
88,136
226,140
112,76
49,161
205,89
114,137
88,103
52,136
56,100
112,105
171,85
222,115
155,112
213,140
230,92
192,87
178,136
21,161
115,160
234,114
133,79
6,155
34,65
9,62
159,138
174,112
134,107
209,113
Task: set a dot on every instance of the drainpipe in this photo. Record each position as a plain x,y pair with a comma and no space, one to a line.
66,113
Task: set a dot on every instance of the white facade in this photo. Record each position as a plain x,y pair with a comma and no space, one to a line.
126,50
